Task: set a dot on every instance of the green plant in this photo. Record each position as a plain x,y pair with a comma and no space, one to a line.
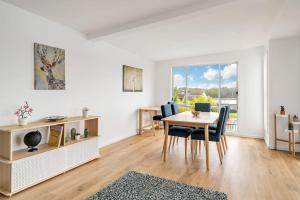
86,133
291,127
73,133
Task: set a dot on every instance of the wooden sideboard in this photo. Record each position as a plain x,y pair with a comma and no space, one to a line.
21,169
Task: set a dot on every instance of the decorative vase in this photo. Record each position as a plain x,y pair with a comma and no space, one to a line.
23,121
86,133
73,133
295,118
282,110
85,113
32,139
77,136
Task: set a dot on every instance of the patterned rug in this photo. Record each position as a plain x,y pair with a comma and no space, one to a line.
137,186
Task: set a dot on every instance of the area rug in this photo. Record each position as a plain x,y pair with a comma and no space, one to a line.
137,186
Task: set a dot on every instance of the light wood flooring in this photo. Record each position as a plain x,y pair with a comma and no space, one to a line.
249,170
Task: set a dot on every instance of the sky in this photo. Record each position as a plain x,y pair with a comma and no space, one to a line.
206,76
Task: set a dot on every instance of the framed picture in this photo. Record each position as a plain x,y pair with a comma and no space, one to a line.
132,79
49,68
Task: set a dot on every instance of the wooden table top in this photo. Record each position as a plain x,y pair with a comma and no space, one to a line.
187,117
150,108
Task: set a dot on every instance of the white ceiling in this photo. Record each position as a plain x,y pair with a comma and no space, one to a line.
167,29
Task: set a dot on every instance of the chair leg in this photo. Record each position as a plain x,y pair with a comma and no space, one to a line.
177,140
199,147
163,148
170,142
219,151
225,140
153,127
223,144
196,147
185,147
174,140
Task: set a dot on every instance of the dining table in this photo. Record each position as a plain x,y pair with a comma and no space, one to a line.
203,120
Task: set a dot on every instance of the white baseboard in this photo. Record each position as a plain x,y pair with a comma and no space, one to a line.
245,136
116,140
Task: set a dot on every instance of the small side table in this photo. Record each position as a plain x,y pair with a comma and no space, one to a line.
152,111
291,141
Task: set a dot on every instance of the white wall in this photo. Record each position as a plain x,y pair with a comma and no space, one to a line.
250,84
284,71
93,75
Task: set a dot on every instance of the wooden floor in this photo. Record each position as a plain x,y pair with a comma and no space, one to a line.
249,170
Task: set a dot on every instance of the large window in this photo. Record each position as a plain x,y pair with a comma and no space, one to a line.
212,83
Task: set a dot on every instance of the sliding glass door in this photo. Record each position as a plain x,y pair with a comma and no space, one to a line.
212,83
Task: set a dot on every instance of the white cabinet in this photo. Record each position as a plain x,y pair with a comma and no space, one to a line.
32,170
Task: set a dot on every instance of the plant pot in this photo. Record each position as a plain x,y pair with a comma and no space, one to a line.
23,121
77,137
85,113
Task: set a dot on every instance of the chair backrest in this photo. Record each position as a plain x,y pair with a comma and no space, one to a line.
202,107
166,110
221,121
175,108
226,118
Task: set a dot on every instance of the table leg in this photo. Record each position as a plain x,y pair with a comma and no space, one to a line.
290,142
294,146
166,140
207,146
275,132
152,122
140,121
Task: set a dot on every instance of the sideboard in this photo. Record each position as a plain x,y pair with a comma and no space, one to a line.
21,169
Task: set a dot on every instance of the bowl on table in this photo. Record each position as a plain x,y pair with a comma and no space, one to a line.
54,118
195,113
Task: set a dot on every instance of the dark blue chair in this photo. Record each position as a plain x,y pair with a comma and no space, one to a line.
214,135
214,127
224,139
175,131
156,119
223,135
175,108
202,107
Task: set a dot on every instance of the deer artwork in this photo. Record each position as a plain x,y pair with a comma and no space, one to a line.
49,63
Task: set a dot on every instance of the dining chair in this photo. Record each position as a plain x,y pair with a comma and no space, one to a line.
175,108
224,139
214,135
156,119
202,107
175,131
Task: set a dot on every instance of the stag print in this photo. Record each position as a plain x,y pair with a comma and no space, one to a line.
49,67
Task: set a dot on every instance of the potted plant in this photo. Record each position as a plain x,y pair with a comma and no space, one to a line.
23,112
86,132
77,136
73,133
85,112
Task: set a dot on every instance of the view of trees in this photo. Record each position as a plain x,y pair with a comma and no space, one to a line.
207,83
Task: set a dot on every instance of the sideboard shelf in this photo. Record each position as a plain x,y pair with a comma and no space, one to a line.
23,153
21,169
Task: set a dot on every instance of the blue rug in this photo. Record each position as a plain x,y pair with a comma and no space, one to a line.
137,186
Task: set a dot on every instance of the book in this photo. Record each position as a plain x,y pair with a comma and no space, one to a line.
55,137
